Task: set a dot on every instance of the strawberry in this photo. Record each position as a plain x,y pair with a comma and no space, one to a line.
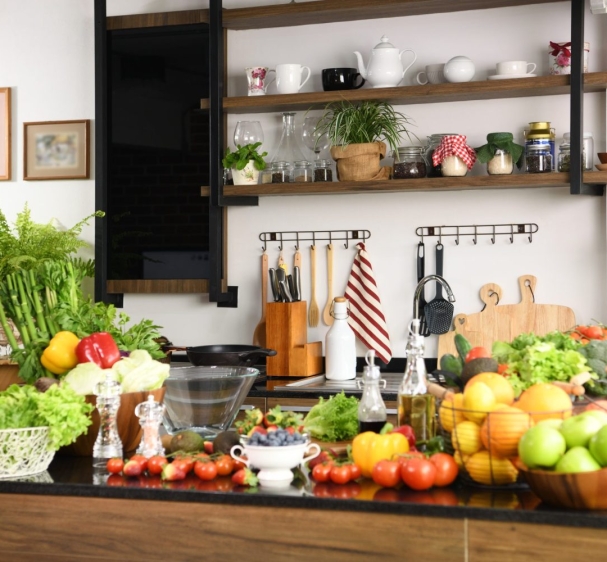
132,468
271,427
244,477
171,473
208,447
258,429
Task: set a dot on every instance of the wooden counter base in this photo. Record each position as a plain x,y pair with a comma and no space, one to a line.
58,528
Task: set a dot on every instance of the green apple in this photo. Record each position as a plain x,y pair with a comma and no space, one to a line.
551,422
541,446
577,459
598,446
577,430
600,415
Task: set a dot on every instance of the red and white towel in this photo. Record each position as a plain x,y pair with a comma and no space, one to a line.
366,317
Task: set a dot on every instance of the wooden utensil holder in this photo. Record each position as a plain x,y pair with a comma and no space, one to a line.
287,333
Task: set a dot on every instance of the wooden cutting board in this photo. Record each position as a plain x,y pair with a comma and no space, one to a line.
505,322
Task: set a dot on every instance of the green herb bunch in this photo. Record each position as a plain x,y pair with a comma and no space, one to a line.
240,158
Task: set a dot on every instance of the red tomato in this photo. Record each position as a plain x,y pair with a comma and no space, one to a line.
406,457
322,490
418,474
205,470
355,472
321,472
387,495
345,491
156,464
225,465
477,352
444,496
143,461
185,464
114,466
239,465
340,474
386,474
446,469
132,468
115,480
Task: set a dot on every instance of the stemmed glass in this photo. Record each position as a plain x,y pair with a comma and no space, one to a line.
312,138
248,132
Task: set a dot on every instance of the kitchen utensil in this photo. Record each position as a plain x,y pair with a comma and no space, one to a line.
282,264
259,334
439,311
296,283
602,157
297,259
274,284
256,80
313,311
326,315
515,67
288,78
433,74
340,79
285,291
505,322
211,355
205,399
459,69
421,259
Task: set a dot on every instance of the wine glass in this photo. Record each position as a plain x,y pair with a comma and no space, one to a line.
248,132
312,138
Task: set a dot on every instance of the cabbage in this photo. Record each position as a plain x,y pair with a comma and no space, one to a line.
139,372
83,378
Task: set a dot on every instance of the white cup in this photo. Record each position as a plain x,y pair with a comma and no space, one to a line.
288,78
519,67
433,74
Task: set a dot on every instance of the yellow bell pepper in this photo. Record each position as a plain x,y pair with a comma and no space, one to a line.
369,448
60,355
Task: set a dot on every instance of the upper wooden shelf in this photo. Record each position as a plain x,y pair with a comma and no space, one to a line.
409,95
514,181
330,11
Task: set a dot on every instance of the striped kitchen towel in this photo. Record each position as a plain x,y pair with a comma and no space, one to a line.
366,317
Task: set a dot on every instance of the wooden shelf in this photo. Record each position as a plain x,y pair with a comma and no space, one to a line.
330,11
143,286
515,181
410,95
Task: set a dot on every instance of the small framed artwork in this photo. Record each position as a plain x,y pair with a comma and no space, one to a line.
5,133
56,150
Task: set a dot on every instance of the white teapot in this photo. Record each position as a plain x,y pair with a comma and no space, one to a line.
385,69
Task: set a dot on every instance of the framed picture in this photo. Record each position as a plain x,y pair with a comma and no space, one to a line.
56,150
5,133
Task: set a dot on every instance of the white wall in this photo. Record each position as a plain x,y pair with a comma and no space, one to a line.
51,69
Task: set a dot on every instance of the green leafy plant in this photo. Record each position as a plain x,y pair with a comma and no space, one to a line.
240,158
370,121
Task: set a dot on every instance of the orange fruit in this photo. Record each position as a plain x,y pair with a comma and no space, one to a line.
501,388
490,469
502,430
479,400
466,438
545,401
450,411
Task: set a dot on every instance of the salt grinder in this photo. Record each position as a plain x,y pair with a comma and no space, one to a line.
108,444
150,416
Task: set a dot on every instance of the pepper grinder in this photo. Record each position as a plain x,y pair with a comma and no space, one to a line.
108,444
150,416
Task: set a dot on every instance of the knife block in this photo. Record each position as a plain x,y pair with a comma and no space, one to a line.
287,333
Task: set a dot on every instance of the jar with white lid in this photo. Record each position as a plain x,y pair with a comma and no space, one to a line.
587,150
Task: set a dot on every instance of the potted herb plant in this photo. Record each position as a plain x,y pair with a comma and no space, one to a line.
246,162
358,134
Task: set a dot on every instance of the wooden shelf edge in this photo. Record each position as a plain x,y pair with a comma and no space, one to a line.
166,286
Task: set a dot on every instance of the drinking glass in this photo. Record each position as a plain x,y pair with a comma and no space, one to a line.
248,132
312,138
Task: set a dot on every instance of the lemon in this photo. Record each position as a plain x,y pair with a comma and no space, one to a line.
450,412
491,470
466,438
460,459
501,388
479,400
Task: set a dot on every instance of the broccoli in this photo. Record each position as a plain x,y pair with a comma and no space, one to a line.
595,353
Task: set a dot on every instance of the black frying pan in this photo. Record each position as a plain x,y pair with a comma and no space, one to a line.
235,355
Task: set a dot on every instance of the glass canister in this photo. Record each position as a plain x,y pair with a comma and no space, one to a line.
500,164
323,171
538,159
302,171
587,151
281,172
289,150
409,163
564,164
433,142
542,134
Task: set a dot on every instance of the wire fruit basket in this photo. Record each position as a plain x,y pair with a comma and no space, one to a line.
24,452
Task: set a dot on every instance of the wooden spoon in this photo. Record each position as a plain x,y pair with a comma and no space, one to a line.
313,311
326,315
259,335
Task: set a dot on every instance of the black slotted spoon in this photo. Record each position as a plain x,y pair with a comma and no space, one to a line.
421,268
439,311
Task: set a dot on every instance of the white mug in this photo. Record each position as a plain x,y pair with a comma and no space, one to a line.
433,74
519,67
288,78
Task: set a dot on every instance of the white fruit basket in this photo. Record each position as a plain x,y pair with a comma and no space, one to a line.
24,452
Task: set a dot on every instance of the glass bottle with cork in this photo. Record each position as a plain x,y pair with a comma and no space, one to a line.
372,414
416,406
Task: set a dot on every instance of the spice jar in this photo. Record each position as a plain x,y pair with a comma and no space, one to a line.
409,163
265,176
454,156
433,142
564,164
281,172
538,159
323,171
541,133
587,150
302,171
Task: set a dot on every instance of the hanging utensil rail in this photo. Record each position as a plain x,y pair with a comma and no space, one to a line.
476,230
313,236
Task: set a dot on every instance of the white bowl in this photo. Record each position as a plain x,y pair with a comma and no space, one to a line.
459,69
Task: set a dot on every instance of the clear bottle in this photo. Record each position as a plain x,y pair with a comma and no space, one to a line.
416,407
108,444
302,171
340,344
288,150
323,171
372,414
433,142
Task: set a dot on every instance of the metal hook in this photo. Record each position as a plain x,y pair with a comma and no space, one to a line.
457,236
530,234
511,234
440,236
265,245
347,239
330,238
280,245
493,236
313,239
297,242
475,240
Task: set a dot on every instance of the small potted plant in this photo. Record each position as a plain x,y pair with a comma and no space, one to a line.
357,134
245,162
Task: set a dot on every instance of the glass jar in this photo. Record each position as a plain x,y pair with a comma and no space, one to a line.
541,133
323,171
564,164
227,176
500,164
453,166
538,159
302,171
265,176
281,172
587,150
409,163
289,150
433,142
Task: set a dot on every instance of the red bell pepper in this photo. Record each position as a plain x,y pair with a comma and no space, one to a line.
99,348
408,432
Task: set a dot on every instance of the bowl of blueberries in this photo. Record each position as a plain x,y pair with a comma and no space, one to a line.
275,454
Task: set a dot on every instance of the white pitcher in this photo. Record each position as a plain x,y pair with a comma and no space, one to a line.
385,68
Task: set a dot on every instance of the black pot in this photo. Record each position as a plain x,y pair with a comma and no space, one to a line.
235,355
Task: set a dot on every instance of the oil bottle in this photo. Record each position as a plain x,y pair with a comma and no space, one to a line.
372,414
